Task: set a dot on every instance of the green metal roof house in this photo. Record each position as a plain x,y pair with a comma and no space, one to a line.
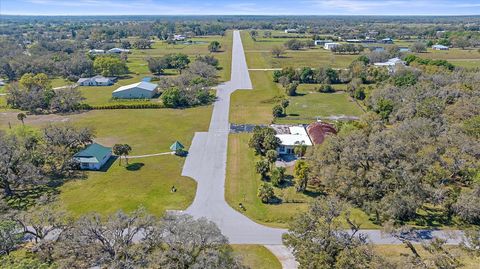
93,157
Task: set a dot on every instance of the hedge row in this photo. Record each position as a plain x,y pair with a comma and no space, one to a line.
122,106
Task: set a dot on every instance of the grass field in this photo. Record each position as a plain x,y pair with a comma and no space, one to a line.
256,257
137,59
259,56
255,106
147,132
307,105
395,253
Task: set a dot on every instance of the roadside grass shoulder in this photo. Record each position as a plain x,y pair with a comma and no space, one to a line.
256,256
255,106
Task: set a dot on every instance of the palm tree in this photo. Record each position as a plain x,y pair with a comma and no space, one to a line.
122,150
21,117
126,151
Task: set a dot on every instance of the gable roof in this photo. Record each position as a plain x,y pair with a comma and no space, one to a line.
93,153
142,85
96,79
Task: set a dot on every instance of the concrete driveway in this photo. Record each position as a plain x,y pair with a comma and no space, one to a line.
207,159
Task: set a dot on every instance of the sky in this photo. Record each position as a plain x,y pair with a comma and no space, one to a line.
242,7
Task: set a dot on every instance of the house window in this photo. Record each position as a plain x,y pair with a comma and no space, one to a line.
281,149
84,165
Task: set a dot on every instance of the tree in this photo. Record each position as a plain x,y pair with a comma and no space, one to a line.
461,42
272,156
66,100
214,46
142,43
278,51
31,81
126,44
179,61
301,173
208,59
21,117
285,104
300,150
294,44
277,176
263,139
291,89
266,193
277,111
319,240
466,206
42,220
122,150
184,242
262,167
10,236
109,66
254,34
157,65
63,141
418,47
93,242
16,168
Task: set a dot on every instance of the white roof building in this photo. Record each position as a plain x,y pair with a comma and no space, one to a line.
117,50
290,137
329,46
96,81
95,51
136,91
439,47
391,62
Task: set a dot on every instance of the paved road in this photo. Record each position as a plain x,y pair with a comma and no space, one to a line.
206,163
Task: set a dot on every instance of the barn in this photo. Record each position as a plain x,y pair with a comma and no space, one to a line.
138,90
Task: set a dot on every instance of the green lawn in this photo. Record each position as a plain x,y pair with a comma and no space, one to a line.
308,104
242,183
396,253
259,56
256,257
137,59
146,131
255,106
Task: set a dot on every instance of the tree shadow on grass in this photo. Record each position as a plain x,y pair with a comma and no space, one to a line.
135,166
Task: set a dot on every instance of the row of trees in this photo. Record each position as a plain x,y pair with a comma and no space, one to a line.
135,240
319,239
35,94
306,75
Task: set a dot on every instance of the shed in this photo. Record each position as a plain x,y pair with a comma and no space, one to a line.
93,157
136,91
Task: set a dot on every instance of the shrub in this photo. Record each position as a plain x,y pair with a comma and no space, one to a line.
326,88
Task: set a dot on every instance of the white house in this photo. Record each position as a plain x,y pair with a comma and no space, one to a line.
322,42
96,81
439,47
95,51
391,64
290,137
288,31
179,37
93,157
117,51
136,91
331,45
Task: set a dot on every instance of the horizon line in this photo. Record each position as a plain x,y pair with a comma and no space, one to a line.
266,15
